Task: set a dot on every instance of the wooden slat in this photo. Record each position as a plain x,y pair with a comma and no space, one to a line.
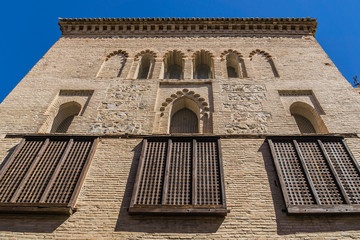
306,170
194,173
221,172
29,171
279,173
84,170
12,157
157,192
333,171
56,172
16,171
40,177
138,174
351,155
167,170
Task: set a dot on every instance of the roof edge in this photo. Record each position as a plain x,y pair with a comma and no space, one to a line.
188,26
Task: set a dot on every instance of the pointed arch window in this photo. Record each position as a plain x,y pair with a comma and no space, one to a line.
184,121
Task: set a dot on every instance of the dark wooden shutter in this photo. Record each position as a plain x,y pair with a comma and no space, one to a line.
45,174
65,124
304,125
179,175
317,174
184,121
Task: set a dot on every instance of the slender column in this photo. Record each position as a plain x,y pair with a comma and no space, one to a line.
188,69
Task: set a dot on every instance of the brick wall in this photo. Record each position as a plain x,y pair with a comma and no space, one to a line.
120,105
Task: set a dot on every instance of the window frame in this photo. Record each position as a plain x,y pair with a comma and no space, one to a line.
318,207
193,208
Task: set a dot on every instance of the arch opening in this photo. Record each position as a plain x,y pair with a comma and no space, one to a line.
174,65
232,66
307,119
203,65
184,121
145,67
184,116
65,116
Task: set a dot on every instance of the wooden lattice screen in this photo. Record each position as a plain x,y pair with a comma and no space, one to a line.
179,175
45,174
316,174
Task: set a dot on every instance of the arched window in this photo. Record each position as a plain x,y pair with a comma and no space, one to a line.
174,65
203,65
184,116
203,71
307,119
145,67
232,66
65,116
304,124
184,121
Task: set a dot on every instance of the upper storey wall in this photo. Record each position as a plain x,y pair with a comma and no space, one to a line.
257,102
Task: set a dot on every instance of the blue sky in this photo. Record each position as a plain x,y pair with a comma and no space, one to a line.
30,28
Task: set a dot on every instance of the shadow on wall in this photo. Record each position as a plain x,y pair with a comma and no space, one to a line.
159,224
33,223
302,223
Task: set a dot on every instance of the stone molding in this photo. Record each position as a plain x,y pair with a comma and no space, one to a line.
128,27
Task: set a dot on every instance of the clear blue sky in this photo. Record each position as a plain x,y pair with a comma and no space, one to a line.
29,28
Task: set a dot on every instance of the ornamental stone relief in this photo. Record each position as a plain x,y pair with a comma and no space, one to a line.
244,101
117,113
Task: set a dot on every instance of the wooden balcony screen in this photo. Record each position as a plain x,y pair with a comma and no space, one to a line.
179,175
45,174
316,174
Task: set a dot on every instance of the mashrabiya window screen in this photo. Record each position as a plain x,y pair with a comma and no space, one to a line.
45,174
179,175
316,174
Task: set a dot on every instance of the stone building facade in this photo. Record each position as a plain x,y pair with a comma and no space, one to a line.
242,82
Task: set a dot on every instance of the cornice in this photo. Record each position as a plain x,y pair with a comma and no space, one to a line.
155,27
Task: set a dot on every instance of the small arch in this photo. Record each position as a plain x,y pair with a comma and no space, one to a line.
174,65
307,119
63,119
263,63
203,65
117,52
200,101
185,98
113,64
146,64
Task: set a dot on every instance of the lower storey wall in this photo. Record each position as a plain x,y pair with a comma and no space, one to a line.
252,191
